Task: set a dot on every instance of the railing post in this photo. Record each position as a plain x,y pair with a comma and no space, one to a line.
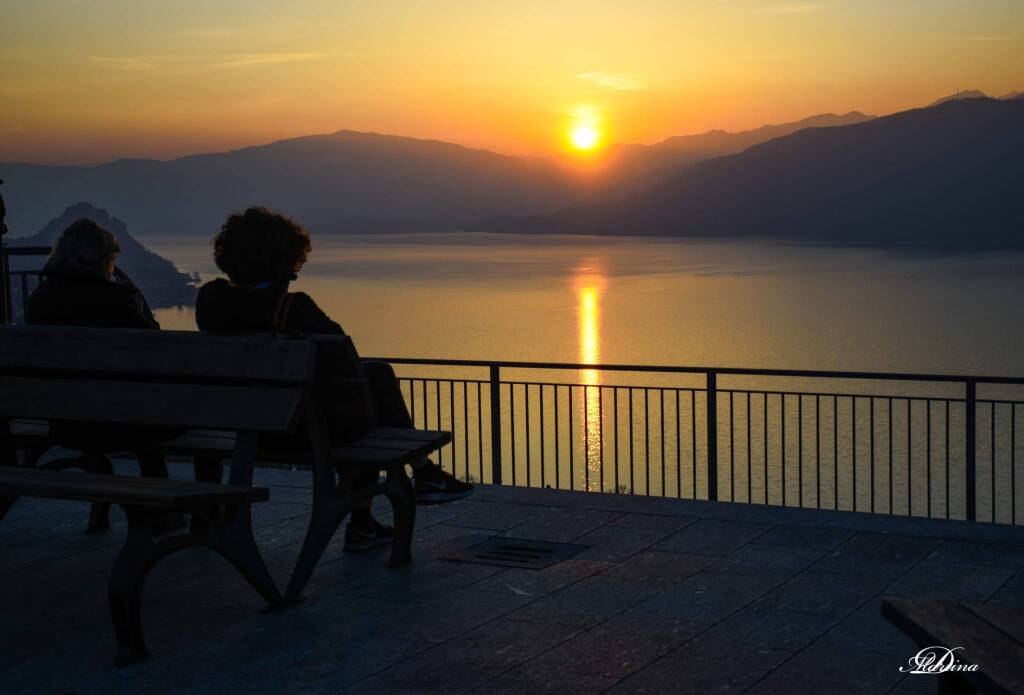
712,415
495,424
971,444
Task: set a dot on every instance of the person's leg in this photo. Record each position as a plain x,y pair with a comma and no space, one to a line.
433,484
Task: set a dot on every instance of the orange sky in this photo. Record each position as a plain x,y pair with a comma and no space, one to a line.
91,81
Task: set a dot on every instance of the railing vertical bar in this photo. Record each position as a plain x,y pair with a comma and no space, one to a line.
992,454
512,427
569,418
543,441
615,425
712,415
910,463
782,457
426,404
971,443
437,400
693,439
835,452
817,448
586,439
632,481
732,451
800,449
891,510
661,423
947,458
529,442
412,399
465,427
1013,463
853,452
765,437
647,441
480,427
679,448
750,465
558,443
871,423
928,456
600,432
495,373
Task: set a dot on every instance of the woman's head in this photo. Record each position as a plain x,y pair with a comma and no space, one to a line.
260,246
87,246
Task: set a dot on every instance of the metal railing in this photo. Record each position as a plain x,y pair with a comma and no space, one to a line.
13,308
907,444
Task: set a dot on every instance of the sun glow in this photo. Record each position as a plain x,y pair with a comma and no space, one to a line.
584,136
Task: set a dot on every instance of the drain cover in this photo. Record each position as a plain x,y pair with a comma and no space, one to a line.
517,552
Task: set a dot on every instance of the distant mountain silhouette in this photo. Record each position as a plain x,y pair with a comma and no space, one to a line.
358,182
966,94
160,281
947,175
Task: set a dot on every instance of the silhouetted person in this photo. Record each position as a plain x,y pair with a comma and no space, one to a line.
261,252
82,286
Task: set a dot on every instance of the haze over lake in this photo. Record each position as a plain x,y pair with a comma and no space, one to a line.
654,301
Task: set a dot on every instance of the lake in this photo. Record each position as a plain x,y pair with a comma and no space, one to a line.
657,301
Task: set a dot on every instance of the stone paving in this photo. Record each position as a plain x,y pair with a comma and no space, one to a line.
671,596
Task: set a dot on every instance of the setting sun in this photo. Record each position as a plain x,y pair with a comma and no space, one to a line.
584,136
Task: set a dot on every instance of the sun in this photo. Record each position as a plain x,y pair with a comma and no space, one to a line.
584,136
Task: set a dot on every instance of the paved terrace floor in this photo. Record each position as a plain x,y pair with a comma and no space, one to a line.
671,596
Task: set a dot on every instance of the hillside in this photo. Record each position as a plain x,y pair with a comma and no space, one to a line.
947,175
160,281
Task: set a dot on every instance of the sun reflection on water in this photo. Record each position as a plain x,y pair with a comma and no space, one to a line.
589,287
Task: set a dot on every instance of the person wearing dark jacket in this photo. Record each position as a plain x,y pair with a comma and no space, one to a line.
82,286
261,252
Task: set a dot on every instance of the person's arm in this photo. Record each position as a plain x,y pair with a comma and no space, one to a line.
307,317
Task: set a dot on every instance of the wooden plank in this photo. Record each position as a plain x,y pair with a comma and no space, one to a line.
403,433
1000,659
1008,620
241,408
182,354
181,495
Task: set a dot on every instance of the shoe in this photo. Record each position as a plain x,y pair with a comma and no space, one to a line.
363,536
435,486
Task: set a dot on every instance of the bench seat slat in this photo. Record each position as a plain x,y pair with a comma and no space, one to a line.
175,495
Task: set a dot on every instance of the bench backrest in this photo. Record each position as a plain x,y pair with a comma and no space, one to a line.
175,378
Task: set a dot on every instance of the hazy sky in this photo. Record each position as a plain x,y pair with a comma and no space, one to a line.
92,80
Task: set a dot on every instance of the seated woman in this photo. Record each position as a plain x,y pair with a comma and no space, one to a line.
82,286
261,252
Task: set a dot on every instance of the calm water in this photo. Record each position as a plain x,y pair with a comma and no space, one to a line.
755,305
660,302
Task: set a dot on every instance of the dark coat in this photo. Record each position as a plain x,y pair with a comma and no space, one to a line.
225,308
70,296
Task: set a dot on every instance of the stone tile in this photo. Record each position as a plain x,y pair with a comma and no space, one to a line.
598,658
705,665
497,516
810,537
657,569
563,525
537,583
471,659
867,631
1009,596
979,554
820,670
774,564
446,618
773,629
1017,579
585,603
712,537
877,555
931,579
653,521
823,593
616,543
703,597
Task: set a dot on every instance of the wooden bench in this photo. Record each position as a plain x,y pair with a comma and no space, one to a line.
223,392
987,639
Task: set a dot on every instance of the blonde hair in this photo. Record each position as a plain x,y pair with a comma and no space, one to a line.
85,244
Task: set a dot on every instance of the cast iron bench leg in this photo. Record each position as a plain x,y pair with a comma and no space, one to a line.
230,536
6,502
329,510
402,496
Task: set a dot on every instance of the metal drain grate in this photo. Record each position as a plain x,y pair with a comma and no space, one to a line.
517,552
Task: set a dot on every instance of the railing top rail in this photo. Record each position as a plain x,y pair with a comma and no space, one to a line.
736,371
